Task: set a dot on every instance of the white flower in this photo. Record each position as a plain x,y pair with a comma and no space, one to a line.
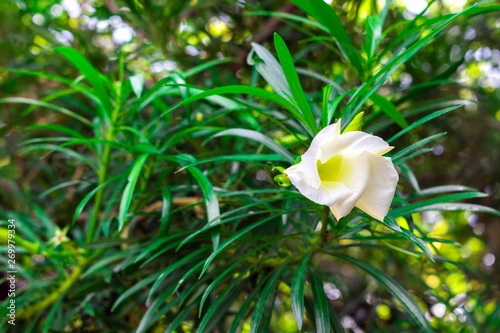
346,170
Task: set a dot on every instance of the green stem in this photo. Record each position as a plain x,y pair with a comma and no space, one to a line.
103,173
325,213
74,277
98,198
54,296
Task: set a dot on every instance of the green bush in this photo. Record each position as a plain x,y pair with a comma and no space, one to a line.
160,202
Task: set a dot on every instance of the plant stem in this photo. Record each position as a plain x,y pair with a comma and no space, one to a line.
47,301
103,173
324,223
99,195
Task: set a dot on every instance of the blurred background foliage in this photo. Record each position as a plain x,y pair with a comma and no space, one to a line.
159,37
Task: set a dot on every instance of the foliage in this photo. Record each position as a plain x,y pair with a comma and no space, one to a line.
146,203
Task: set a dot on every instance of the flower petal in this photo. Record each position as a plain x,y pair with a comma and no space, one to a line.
351,143
379,193
354,173
326,194
310,157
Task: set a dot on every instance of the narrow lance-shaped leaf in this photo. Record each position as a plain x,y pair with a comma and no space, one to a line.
137,82
165,212
259,137
270,70
227,274
444,189
416,145
191,257
389,109
326,15
230,240
54,107
422,121
263,307
369,87
90,73
321,306
211,201
297,290
395,289
136,287
410,209
237,89
129,189
221,303
292,78
324,105
373,28
356,124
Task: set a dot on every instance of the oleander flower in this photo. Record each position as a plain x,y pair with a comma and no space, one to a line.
346,170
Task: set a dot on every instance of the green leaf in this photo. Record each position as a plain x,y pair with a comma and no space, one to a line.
288,16
423,121
231,239
326,15
332,109
137,83
90,73
366,90
320,304
254,91
408,235
165,211
211,201
390,223
418,242
412,155
455,207
239,318
389,109
58,187
356,124
395,289
292,78
373,36
89,196
183,261
63,129
270,70
221,304
69,152
410,176
416,145
413,207
69,113
228,272
135,288
324,105
186,275
264,305
444,189
205,65
77,86
297,290
151,314
128,192
104,264
248,158
259,137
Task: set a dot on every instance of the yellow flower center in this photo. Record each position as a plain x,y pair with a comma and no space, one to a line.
329,171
